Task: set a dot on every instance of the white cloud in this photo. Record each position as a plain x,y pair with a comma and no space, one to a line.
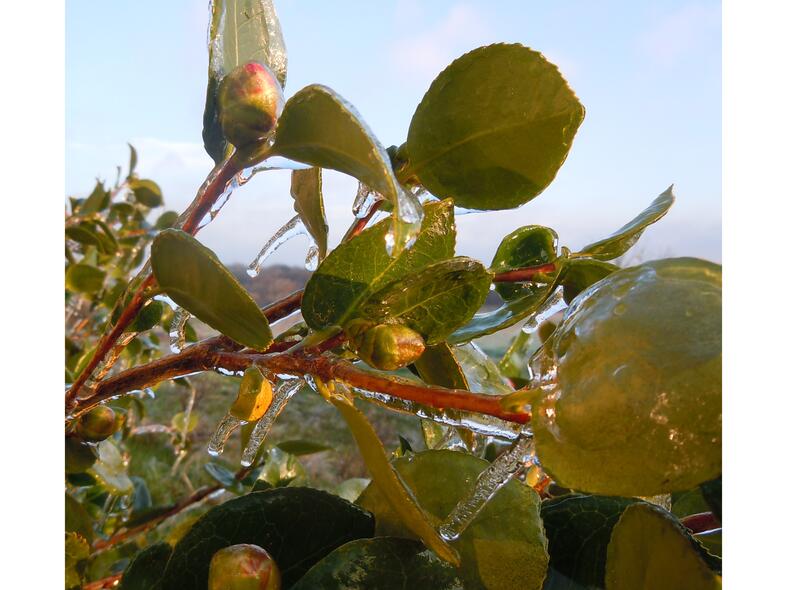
681,32
422,56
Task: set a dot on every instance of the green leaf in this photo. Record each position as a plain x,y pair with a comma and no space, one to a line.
110,469
382,563
578,527
132,161
711,491
145,570
711,541
148,316
494,128
531,245
77,552
146,192
302,447
297,526
514,363
96,234
240,31
78,520
306,190
481,373
619,242
221,474
320,128
166,219
84,278
195,279
361,266
638,372
438,366
97,201
434,301
580,273
504,547
649,551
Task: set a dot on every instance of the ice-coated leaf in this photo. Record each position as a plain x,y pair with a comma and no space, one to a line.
297,526
110,469
149,316
579,273
494,128
382,563
145,570
635,401
195,279
306,190
619,242
531,245
320,128
438,366
514,363
84,278
434,301
240,31
361,266
146,192
650,551
578,527
503,548
481,373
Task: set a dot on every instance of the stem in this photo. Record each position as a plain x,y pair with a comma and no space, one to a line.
527,273
203,202
360,224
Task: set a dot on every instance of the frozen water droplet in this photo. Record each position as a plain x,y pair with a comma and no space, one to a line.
365,199
312,257
488,483
226,427
177,330
294,227
285,389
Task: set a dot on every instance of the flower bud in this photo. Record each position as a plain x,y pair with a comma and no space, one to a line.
250,100
98,424
254,396
243,567
385,346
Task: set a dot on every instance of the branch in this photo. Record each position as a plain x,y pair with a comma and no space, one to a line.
205,199
527,273
360,223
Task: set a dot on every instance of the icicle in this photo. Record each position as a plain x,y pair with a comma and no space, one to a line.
489,482
312,256
294,227
89,388
365,199
226,427
405,222
478,423
553,304
177,330
285,389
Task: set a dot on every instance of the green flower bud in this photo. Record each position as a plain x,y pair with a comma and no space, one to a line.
254,396
385,346
98,424
250,101
243,567
80,456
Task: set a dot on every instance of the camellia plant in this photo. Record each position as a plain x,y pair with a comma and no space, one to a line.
589,456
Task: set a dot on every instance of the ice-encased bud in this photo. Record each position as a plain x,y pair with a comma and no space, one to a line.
98,424
385,346
243,567
254,396
250,100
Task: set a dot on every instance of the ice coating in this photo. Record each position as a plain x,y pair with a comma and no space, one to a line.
226,427
294,227
284,391
517,457
177,331
632,377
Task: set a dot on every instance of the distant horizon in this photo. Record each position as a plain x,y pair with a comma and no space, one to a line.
649,76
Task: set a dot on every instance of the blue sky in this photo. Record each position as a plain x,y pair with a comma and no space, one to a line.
648,73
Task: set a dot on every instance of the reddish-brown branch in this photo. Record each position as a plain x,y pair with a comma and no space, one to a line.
523,274
207,198
698,523
283,307
360,224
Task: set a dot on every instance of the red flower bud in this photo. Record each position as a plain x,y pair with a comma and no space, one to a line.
243,567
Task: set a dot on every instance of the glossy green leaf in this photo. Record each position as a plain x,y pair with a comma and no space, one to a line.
435,301
195,279
94,233
438,366
166,219
297,526
649,551
579,273
306,190
382,563
240,31
299,447
494,128
514,363
361,266
638,360
711,541
221,474
619,242
78,520
686,503
132,161
84,278
146,192
145,570
531,245
149,316
320,128
578,527
503,548
98,200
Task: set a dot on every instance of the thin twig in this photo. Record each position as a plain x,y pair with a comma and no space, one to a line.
527,273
